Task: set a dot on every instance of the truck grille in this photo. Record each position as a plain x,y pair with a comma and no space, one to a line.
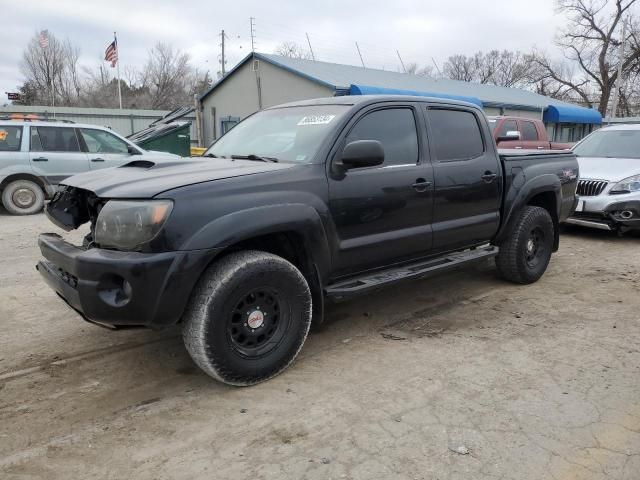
590,188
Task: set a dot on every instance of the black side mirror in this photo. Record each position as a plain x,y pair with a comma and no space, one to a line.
511,135
362,153
131,150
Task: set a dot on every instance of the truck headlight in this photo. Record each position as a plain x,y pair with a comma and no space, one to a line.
628,185
127,224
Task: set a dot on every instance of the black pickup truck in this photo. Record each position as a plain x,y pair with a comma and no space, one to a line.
300,203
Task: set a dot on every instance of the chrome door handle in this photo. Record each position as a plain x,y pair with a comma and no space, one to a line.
40,159
97,159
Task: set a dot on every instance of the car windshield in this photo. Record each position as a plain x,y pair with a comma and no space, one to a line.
286,134
610,143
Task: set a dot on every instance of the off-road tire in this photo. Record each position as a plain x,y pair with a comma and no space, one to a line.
516,260
223,295
30,191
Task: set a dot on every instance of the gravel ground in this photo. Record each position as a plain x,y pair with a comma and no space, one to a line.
462,376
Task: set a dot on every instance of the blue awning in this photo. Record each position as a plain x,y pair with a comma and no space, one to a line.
367,90
571,114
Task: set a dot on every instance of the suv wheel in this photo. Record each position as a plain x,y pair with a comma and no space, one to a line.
525,254
247,318
23,197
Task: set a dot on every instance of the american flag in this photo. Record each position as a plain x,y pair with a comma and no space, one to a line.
43,39
111,53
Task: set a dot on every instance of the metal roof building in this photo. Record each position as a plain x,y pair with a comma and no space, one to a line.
263,80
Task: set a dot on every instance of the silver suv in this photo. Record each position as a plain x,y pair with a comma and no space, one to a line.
36,155
609,185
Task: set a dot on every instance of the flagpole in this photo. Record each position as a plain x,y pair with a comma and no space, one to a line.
115,38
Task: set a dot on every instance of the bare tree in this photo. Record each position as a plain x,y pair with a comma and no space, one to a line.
292,50
591,41
504,68
414,69
460,67
52,71
165,77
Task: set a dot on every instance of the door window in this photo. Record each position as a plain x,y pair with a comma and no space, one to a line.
10,138
395,129
456,134
54,139
508,126
529,131
99,141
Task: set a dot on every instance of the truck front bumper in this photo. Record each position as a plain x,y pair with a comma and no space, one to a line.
608,212
122,288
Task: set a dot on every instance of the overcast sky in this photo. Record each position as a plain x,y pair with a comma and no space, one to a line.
419,30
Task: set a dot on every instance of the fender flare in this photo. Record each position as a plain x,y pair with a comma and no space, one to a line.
242,225
522,196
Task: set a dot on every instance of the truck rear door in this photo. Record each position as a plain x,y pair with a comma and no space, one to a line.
468,177
383,213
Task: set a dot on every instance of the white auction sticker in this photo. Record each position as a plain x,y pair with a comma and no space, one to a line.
316,120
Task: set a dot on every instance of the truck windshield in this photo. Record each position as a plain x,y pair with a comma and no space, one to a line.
610,143
286,134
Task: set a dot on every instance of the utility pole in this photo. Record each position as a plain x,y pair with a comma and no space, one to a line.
222,59
310,49
436,65
360,55
401,62
619,84
253,33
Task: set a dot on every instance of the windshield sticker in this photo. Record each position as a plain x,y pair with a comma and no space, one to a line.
316,120
300,158
3,135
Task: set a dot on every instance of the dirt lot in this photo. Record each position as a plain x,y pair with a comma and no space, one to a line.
459,377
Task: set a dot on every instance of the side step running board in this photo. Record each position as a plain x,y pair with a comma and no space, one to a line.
372,281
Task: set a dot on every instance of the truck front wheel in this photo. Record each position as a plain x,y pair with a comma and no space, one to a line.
247,318
525,253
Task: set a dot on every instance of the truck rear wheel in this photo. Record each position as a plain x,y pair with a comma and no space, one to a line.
248,317
525,254
23,197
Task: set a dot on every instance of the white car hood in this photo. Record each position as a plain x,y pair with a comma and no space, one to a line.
610,169
153,155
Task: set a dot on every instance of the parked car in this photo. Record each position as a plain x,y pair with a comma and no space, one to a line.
245,249
609,186
36,155
523,133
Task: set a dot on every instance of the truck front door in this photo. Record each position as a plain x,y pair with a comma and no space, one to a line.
383,213
468,178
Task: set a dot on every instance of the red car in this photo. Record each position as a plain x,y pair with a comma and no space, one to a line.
523,133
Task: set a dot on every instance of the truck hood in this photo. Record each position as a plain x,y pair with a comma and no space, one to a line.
610,169
145,179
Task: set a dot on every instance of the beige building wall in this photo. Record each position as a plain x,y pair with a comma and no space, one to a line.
238,96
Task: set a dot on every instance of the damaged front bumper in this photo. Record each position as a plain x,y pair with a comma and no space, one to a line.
607,215
122,288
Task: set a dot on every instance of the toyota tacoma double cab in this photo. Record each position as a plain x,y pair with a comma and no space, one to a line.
299,204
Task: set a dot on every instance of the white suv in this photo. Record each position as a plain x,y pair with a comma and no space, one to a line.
36,155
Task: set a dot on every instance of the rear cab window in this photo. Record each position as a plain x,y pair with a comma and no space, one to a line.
529,131
10,138
456,134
